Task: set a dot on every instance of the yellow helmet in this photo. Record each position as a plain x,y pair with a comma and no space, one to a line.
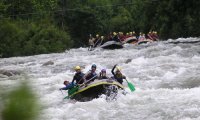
118,68
77,68
114,33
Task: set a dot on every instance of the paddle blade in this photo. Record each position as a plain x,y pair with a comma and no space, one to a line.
72,91
67,97
131,86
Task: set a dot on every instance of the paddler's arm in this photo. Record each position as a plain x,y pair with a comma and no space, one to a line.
68,86
113,70
85,76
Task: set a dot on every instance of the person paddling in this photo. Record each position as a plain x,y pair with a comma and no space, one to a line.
117,75
91,75
68,85
91,43
102,75
78,77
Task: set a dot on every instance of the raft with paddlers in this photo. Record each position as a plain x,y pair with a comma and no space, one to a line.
87,92
144,41
112,45
130,39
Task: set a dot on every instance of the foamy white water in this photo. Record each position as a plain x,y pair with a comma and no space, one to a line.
166,76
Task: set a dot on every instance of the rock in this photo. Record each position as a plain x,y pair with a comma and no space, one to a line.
48,63
10,72
128,61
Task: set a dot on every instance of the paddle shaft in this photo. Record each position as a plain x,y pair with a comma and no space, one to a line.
61,92
89,80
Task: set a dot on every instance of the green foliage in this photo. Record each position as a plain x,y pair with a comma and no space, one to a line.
21,105
11,37
49,25
123,20
31,38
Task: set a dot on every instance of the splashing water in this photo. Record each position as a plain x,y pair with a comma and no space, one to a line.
166,76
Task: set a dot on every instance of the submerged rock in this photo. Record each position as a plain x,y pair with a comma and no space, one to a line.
48,63
10,72
128,61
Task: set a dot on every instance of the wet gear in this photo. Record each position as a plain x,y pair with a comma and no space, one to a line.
118,75
78,77
91,75
68,86
94,66
77,68
102,75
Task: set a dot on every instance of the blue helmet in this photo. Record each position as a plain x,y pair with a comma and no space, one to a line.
94,66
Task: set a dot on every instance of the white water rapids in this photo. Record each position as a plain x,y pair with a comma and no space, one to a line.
166,77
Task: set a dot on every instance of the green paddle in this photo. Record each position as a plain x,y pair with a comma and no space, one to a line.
76,88
130,85
71,91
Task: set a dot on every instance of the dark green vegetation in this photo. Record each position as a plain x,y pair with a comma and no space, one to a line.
21,105
30,27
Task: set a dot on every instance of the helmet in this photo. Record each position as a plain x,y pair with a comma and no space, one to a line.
114,33
103,70
127,33
133,32
97,35
118,68
102,37
155,32
94,66
77,68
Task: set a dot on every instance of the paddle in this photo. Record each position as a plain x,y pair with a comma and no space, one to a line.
76,88
61,92
130,85
72,91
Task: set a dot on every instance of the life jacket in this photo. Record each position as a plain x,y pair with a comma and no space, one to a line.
79,77
102,77
91,75
141,38
116,38
119,78
149,36
91,41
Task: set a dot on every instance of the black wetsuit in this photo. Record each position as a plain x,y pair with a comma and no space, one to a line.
118,77
116,38
91,76
78,77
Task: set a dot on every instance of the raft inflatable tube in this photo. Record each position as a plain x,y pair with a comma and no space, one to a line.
112,45
144,41
130,40
95,89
